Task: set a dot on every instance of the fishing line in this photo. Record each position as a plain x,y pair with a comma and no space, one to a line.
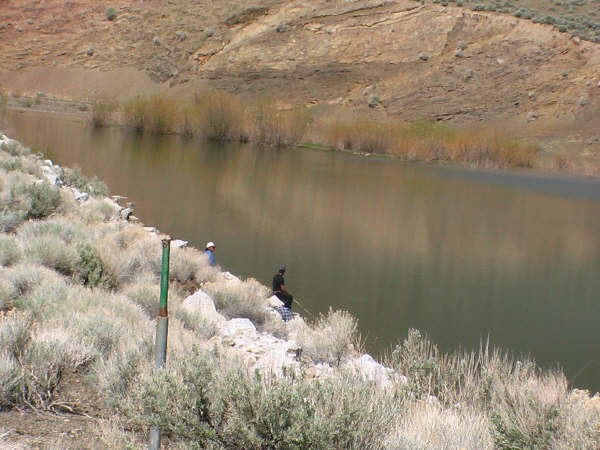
303,307
580,371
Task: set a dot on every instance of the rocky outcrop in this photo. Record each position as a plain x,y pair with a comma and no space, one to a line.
271,355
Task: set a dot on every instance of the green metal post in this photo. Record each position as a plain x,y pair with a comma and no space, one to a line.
163,315
162,328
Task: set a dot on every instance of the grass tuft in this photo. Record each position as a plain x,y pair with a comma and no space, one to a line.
240,299
102,109
220,116
275,126
10,250
333,338
51,251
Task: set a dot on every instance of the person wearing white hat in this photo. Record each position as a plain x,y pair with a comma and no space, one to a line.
210,253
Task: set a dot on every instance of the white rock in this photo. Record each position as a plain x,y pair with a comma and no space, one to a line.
201,303
369,369
52,175
274,301
531,116
239,330
178,243
82,197
276,360
319,371
230,278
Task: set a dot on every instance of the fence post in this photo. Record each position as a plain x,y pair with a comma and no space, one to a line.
162,328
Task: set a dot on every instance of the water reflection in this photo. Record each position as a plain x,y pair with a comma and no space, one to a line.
458,254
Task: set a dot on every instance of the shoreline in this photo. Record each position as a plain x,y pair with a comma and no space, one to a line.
73,109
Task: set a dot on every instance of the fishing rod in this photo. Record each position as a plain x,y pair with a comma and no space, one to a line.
583,369
303,307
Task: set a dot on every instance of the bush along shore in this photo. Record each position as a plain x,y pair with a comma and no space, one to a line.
79,289
220,116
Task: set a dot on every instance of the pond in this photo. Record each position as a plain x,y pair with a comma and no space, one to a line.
460,254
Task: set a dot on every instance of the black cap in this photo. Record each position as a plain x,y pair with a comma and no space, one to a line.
282,268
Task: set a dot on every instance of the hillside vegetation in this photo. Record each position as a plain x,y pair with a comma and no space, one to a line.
527,68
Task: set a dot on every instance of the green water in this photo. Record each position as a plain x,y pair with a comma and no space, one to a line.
459,254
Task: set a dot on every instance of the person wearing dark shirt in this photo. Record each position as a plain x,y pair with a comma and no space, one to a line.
280,291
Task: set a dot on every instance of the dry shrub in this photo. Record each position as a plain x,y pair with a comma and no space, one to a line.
45,300
425,425
10,250
203,327
124,335
160,115
93,186
156,114
276,126
581,418
526,408
76,353
15,333
102,108
25,198
33,358
23,278
188,120
91,212
117,375
275,326
523,403
51,251
189,265
112,434
68,231
426,141
10,374
134,114
7,296
331,339
130,253
216,402
240,299
490,150
145,292
220,116
361,134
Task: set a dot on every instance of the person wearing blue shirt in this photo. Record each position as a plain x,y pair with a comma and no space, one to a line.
210,253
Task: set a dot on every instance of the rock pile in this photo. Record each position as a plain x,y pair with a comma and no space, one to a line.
272,355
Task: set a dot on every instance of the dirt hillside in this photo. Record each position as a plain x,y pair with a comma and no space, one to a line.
409,60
